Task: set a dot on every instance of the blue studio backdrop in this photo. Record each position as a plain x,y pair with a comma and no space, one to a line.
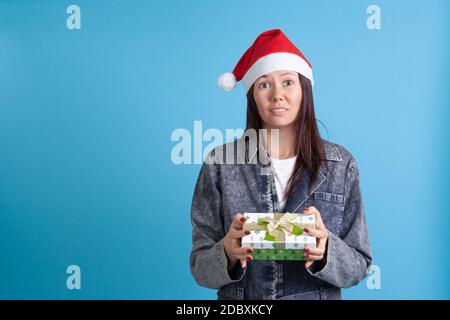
91,93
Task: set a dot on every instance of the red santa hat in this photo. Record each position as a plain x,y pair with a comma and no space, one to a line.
271,51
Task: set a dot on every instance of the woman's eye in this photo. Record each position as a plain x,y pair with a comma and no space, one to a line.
263,85
288,83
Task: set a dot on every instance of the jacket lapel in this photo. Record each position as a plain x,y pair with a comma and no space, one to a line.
297,201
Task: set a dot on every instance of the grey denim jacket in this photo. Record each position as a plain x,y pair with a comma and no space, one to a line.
246,185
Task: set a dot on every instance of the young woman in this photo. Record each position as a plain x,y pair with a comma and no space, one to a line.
300,173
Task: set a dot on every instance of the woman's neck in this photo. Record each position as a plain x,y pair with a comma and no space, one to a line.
286,143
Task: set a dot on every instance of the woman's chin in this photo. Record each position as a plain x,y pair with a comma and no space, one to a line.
278,124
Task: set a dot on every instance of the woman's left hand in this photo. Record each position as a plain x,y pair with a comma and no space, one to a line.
321,233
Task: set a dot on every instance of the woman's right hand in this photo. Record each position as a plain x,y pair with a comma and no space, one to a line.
232,243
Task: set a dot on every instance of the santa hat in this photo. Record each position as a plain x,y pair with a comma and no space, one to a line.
271,51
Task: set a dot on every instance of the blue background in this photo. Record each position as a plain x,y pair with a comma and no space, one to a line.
86,117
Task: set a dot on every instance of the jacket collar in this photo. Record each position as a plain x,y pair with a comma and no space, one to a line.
331,151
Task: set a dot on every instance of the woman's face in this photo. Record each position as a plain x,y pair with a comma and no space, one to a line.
278,96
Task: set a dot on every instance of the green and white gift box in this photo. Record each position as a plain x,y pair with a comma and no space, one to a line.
278,236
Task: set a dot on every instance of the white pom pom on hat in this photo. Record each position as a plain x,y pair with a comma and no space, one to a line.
227,81
271,51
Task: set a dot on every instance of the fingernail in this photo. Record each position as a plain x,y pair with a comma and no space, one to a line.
306,229
247,232
305,209
249,258
242,219
249,250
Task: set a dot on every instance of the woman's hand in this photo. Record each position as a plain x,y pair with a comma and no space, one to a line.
232,243
321,233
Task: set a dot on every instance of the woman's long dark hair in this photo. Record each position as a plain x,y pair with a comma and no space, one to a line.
308,145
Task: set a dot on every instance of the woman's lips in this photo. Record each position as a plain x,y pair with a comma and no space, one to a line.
278,111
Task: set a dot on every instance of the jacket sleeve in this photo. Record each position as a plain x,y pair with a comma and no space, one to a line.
208,262
348,256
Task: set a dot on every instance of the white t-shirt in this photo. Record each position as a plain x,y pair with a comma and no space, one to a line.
283,171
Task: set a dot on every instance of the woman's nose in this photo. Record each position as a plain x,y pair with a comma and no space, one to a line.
277,94
277,98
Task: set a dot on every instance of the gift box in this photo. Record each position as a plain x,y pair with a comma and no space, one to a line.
278,236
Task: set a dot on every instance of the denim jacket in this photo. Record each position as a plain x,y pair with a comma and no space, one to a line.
247,185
